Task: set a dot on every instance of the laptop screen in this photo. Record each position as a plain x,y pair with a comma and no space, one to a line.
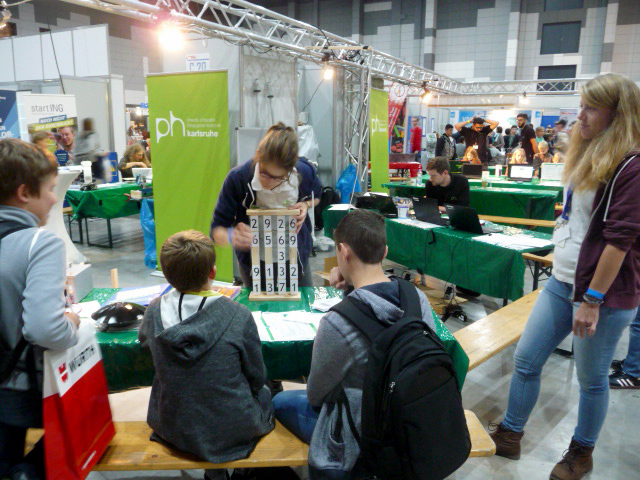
551,171
472,171
521,172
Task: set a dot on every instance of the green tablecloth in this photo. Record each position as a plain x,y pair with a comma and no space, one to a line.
106,202
454,256
128,365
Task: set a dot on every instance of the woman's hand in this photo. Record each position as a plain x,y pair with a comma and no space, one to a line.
73,318
241,237
303,207
337,280
585,320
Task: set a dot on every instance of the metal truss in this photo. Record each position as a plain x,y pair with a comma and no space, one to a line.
243,23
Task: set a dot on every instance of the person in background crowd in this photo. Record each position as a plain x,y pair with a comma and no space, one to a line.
88,149
133,157
543,156
476,135
445,146
460,148
528,137
626,373
557,158
560,140
32,310
539,134
594,290
447,188
65,151
498,139
518,157
512,140
471,156
416,136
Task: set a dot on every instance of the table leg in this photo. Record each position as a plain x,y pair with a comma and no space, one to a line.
536,275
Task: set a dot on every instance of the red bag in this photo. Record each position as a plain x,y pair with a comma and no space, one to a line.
77,417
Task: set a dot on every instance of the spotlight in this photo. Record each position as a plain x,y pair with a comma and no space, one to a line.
5,15
170,36
327,72
427,95
524,100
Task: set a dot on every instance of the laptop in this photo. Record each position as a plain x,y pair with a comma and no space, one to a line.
472,170
426,210
141,171
520,173
551,171
466,219
381,203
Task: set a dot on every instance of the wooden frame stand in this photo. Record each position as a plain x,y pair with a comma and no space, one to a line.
274,243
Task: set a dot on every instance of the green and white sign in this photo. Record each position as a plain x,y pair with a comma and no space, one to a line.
188,120
379,139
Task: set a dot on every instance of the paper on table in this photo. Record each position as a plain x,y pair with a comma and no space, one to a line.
283,331
516,241
263,333
341,206
324,304
416,223
307,318
143,294
86,309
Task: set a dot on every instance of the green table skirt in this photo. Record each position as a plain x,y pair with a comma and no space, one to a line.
106,202
128,365
454,256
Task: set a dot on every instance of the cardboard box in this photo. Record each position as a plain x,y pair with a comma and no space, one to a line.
79,281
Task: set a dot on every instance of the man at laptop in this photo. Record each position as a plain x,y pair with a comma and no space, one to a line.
447,188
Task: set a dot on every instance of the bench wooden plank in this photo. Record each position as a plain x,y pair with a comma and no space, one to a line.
545,261
132,450
532,222
485,338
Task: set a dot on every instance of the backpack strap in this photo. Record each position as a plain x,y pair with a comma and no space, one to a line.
360,315
409,299
7,228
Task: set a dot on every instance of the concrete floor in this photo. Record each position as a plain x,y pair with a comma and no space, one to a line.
617,455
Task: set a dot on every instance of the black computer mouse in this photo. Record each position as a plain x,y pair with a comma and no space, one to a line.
119,316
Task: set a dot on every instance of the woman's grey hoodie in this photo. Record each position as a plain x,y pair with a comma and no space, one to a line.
340,354
32,280
208,396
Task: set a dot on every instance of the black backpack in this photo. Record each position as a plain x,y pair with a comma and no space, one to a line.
413,423
328,197
9,356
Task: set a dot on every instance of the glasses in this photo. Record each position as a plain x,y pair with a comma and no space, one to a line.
267,176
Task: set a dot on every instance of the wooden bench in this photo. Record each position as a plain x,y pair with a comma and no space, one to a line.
131,450
530,222
485,338
541,266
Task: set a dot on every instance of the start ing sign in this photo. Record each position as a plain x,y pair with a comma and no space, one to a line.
198,62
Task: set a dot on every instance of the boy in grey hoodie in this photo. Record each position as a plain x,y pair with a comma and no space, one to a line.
32,305
340,351
209,396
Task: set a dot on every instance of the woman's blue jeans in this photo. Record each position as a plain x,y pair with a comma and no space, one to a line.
293,410
550,322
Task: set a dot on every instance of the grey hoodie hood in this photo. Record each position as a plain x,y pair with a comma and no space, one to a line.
196,334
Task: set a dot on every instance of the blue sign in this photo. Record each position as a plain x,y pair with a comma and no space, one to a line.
144,105
9,127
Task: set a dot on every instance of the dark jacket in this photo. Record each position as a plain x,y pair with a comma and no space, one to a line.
445,147
237,195
615,220
208,389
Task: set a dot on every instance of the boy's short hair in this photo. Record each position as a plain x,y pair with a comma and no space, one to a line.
364,231
439,164
448,126
523,115
186,259
22,163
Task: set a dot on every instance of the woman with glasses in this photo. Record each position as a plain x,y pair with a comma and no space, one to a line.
275,178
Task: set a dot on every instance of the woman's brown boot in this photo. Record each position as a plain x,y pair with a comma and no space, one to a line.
507,442
575,464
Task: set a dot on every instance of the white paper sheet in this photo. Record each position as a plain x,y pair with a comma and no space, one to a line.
514,241
284,331
140,293
307,318
341,206
263,333
84,310
324,304
416,223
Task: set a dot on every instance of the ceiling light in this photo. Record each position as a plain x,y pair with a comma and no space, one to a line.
327,72
170,36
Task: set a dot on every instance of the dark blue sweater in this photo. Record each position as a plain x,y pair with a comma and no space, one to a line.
237,195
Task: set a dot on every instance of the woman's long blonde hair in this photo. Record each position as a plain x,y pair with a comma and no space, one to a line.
589,163
474,154
135,148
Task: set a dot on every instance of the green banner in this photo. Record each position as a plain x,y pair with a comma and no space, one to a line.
379,139
189,124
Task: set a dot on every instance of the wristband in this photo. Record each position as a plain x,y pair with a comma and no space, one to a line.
593,293
230,234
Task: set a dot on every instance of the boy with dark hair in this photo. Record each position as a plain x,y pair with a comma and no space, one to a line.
447,188
528,137
209,396
340,351
446,146
32,305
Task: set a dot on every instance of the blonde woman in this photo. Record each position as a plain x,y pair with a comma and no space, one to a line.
519,157
133,157
471,156
593,291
